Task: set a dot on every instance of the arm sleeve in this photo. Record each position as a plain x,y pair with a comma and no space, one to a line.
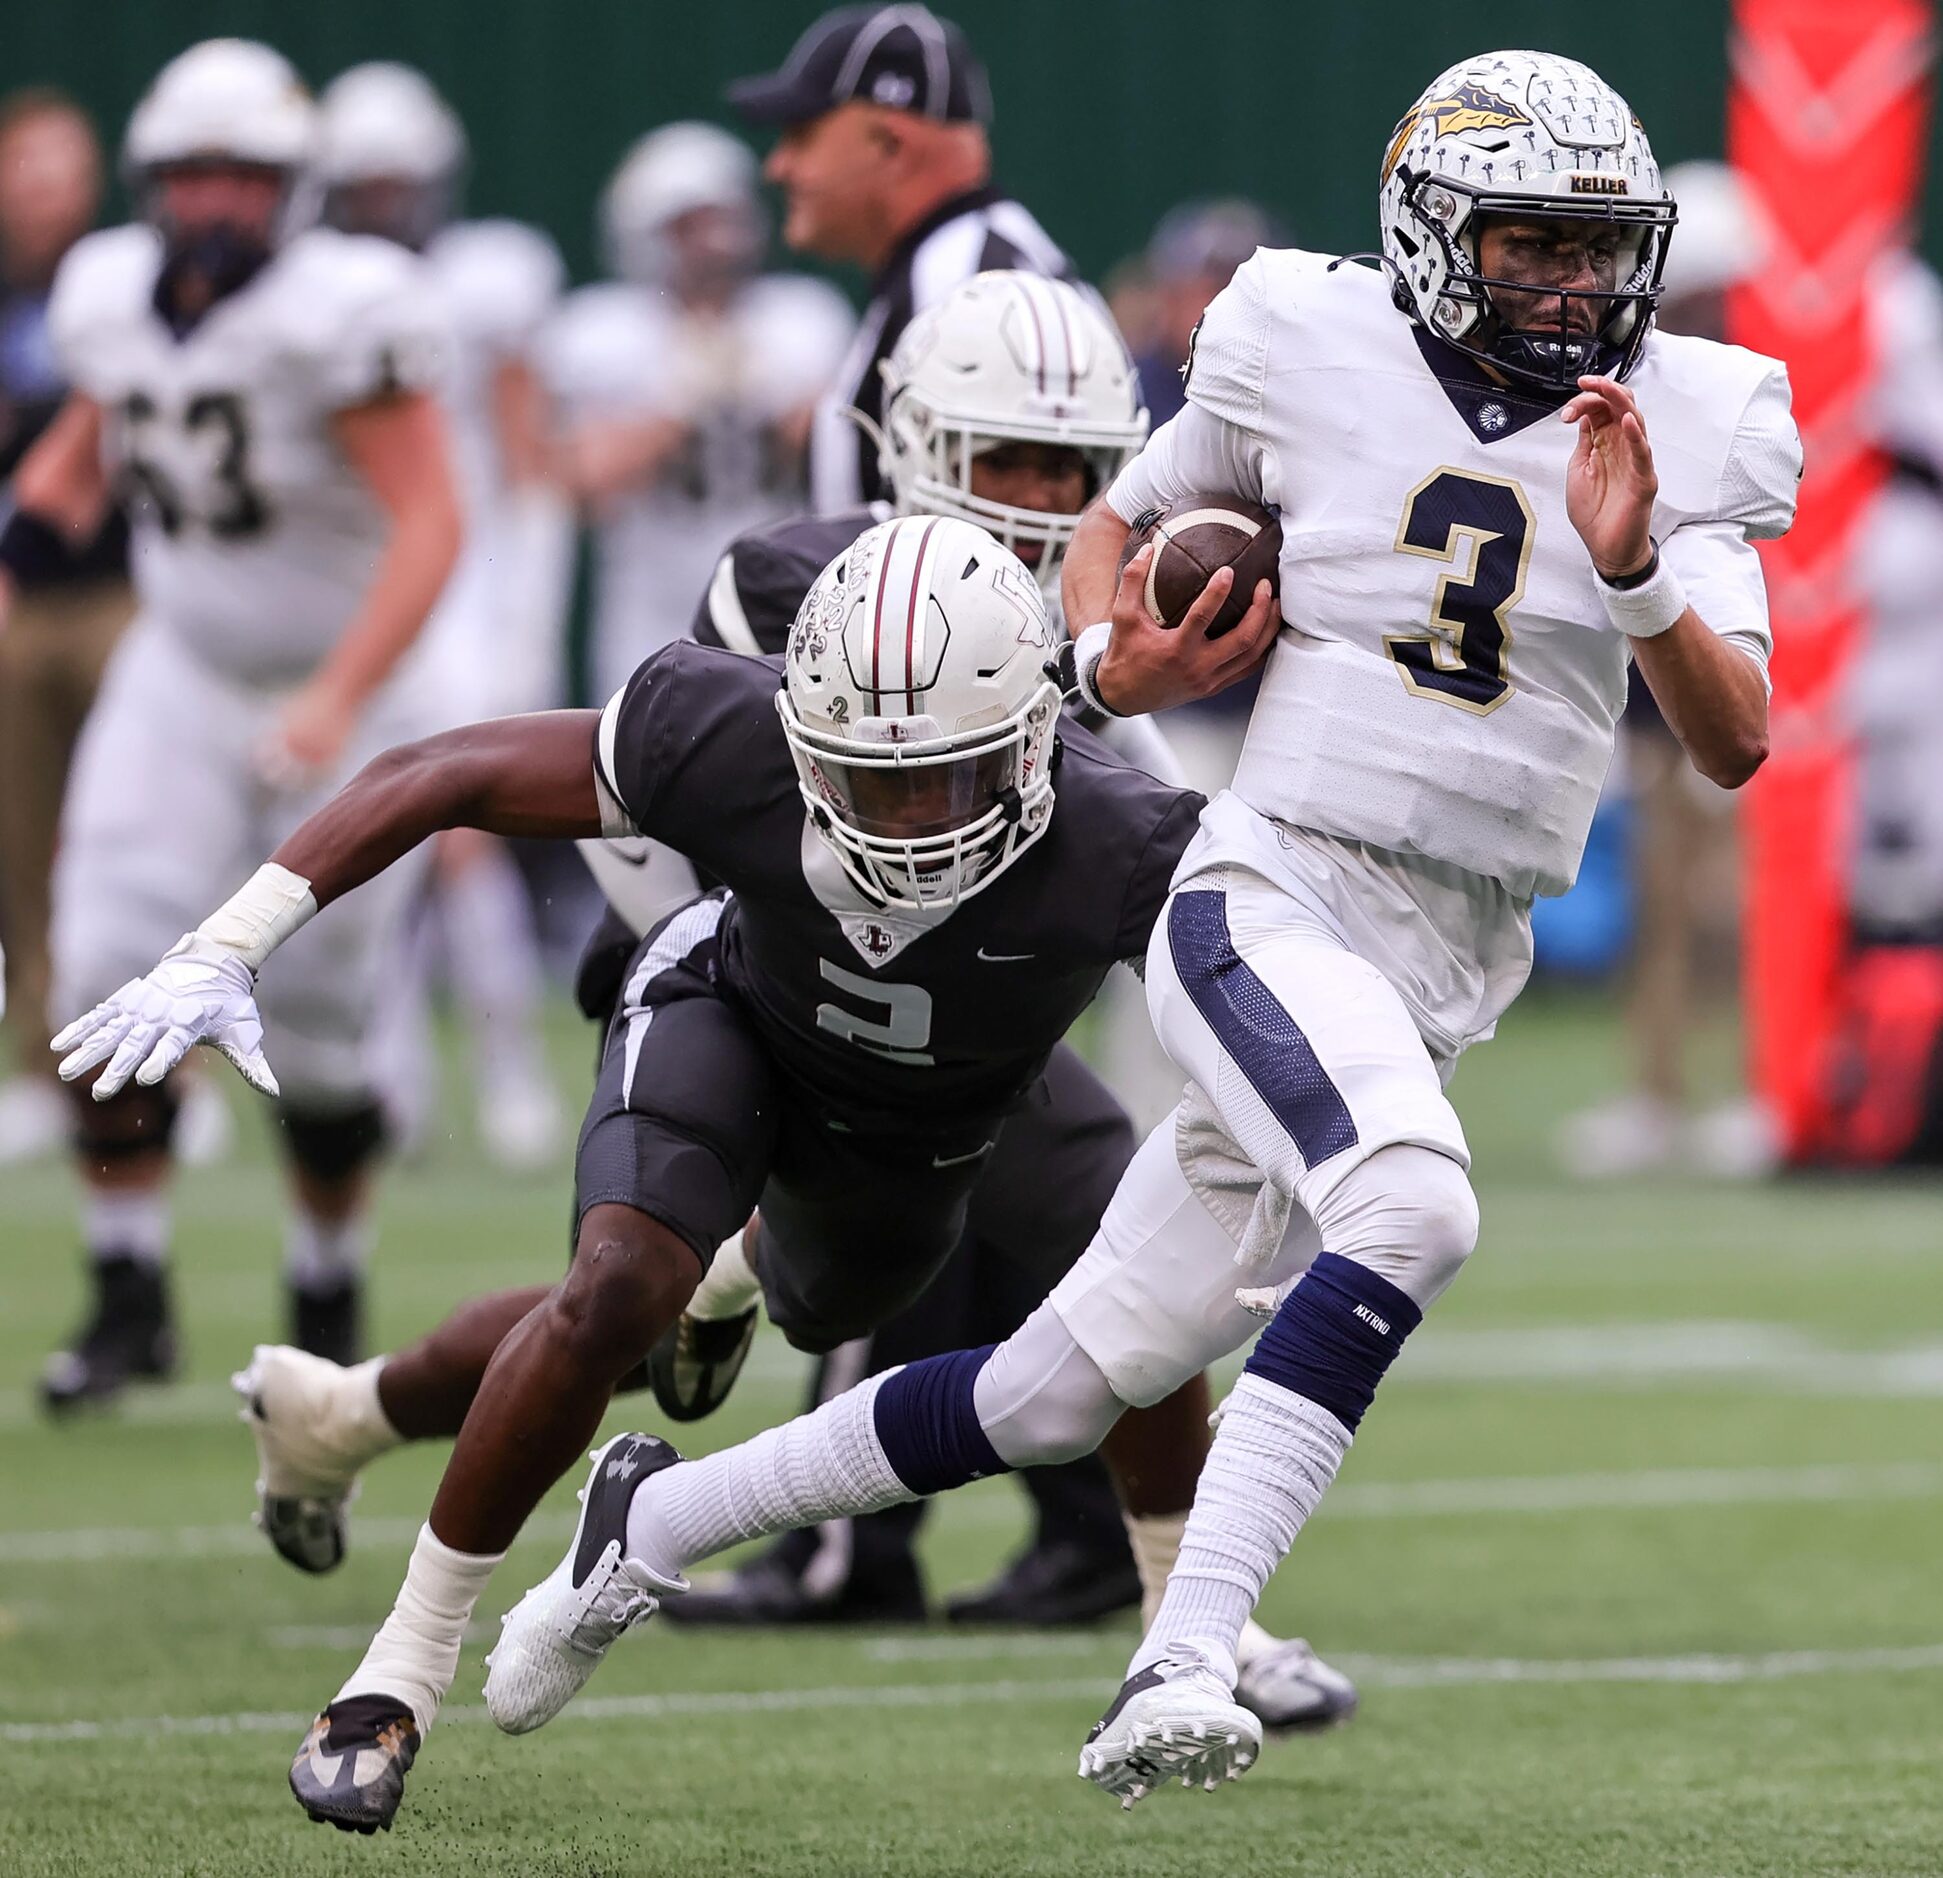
1154,875
1714,555
1721,574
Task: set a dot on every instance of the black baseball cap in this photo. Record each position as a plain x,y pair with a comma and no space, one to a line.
902,57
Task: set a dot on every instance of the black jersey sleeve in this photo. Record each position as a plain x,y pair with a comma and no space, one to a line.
691,740
1153,873
759,583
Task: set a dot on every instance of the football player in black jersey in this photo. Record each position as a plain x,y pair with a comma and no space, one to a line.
904,932
1010,403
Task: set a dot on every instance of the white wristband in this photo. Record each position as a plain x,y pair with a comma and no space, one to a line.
261,915
1645,611
1088,650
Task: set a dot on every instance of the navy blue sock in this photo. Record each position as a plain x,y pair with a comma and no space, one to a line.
928,1426
1335,1335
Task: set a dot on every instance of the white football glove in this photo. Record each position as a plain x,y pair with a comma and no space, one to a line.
200,993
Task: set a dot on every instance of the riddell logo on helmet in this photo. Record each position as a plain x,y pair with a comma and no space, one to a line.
1469,107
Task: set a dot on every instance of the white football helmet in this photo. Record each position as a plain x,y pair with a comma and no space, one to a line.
1536,136
671,171
383,124
226,100
918,710
1005,358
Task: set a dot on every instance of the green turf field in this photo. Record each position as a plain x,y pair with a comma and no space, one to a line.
1636,1561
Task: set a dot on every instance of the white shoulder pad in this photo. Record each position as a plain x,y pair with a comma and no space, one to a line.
106,281
600,344
500,278
1227,359
361,317
1762,474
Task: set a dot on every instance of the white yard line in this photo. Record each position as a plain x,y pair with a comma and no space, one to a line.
1376,1499
1400,1673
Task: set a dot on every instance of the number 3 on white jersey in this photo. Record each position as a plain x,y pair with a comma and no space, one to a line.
1481,527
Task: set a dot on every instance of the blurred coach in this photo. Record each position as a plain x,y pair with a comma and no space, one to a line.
884,162
69,614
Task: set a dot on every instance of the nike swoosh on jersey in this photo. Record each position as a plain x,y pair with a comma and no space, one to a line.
1003,958
959,1160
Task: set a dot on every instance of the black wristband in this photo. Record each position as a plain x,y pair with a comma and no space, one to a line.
31,550
1639,576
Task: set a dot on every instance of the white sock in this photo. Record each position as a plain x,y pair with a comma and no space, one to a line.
126,1222
415,1654
1273,1457
820,1466
1155,1539
729,1286
322,1255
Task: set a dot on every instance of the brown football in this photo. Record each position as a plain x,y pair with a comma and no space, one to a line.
1194,537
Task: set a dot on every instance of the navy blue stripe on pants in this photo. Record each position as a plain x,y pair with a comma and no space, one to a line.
1265,1041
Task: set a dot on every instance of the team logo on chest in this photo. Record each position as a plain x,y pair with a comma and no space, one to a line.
1492,417
875,941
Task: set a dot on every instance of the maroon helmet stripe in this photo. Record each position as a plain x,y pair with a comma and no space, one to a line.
1038,330
877,621
911,623
1066,341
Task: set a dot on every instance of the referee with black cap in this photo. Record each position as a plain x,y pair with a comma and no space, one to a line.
884,163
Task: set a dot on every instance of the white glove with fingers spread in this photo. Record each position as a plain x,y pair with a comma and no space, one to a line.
201,992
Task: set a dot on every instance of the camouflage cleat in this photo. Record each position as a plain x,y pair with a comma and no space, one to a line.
350,1771
694,1365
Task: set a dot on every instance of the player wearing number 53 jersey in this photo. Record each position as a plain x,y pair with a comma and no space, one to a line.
255,391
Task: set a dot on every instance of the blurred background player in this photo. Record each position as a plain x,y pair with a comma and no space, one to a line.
885,164
263,394
392,157
63,622
1683,850
685,384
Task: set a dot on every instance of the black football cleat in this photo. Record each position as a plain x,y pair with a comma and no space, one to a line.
129,1336
694,1364
350,1771
329,1323
1050,1586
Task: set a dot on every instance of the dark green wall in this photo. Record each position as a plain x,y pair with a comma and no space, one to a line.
1108,113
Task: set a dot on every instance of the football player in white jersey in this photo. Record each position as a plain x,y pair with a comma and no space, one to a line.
685,385
1497,484
260,393
391,157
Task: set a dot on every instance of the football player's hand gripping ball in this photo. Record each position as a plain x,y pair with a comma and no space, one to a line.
200,993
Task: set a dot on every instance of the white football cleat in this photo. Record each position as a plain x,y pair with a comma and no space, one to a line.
553,1639
307,1468
1175,1720
1289,1689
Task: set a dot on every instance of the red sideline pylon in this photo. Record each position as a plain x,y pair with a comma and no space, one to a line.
1827,115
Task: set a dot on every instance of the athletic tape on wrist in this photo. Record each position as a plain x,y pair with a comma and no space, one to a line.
1649,609
1088,650
261,915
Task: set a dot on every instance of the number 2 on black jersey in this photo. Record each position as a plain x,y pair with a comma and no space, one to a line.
1481,527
